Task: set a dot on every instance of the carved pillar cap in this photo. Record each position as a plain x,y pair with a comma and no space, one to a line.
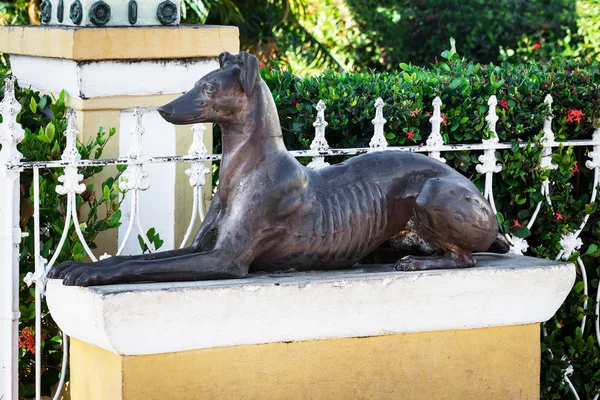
110,12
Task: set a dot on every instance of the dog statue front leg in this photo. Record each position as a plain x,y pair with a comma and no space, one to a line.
208,265
236,247
206,236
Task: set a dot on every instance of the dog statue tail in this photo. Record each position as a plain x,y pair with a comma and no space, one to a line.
500,245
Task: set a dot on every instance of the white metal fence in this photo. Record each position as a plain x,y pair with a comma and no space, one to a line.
134,180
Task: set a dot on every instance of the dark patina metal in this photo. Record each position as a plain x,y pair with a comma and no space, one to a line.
271,213
46,11
76,12
166,13
60,10
100,13
132,12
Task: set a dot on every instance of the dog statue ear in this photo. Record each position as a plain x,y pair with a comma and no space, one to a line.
249,74
226,59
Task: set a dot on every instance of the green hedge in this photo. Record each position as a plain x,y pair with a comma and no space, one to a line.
380,34
465,89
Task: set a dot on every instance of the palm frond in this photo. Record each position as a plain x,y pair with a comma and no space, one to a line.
294,34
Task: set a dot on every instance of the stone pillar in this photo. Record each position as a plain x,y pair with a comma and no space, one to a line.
369,333
106,71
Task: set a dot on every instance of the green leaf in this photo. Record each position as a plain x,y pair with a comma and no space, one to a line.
43,102
522,232
500,218
591,249
114,220
456,83
579,287
43,138
78,252
33,105
50,131
143,246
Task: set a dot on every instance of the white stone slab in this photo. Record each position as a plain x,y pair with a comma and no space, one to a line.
110,78
170,317
119,14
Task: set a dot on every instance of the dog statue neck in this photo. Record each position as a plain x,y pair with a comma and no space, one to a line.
257,133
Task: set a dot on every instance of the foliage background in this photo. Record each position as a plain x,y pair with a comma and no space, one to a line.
359,35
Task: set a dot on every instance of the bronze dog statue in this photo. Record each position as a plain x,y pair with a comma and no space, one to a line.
271,213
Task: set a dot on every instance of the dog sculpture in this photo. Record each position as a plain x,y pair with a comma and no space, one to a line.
271,213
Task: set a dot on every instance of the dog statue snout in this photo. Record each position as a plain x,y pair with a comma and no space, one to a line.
165,110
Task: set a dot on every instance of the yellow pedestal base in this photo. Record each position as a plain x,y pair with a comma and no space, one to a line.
493,363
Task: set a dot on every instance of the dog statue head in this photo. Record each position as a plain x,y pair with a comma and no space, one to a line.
219,96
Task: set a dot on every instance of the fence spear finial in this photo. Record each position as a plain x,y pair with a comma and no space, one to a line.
435,139
71,154
319,143
11,132
378,141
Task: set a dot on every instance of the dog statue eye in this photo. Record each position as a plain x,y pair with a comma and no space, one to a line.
209,88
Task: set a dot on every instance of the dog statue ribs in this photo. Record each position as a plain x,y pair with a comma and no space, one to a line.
270,213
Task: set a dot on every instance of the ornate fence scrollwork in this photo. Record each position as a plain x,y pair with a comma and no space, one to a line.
197,176
135,180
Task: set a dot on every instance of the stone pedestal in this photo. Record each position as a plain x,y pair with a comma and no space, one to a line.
105,72
359,334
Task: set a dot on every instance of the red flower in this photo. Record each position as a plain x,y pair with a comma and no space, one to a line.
27,340
294,102
410,134
516,224
261,64
503,103
436,61
536,46
574,115
559,217
420,145
575,169
415,112
560,323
